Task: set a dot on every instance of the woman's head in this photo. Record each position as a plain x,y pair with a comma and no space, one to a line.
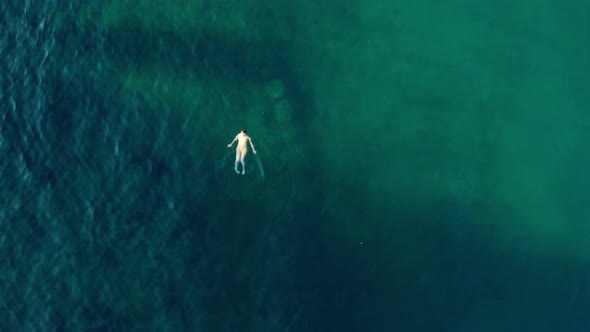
243,131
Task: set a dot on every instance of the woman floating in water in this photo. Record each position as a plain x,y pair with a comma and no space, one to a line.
242,149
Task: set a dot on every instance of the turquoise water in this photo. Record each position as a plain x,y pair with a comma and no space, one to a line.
420,167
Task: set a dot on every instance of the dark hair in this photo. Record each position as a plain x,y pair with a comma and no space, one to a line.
244,131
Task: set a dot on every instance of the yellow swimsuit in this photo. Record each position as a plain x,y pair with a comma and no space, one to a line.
242,143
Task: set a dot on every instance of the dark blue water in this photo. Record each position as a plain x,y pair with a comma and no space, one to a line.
419,168
117,213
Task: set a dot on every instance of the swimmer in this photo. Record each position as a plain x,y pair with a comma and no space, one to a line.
242,149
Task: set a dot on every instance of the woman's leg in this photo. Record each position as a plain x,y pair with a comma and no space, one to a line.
243,156
238,158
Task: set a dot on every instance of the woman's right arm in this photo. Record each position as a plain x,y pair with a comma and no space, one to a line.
232,142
